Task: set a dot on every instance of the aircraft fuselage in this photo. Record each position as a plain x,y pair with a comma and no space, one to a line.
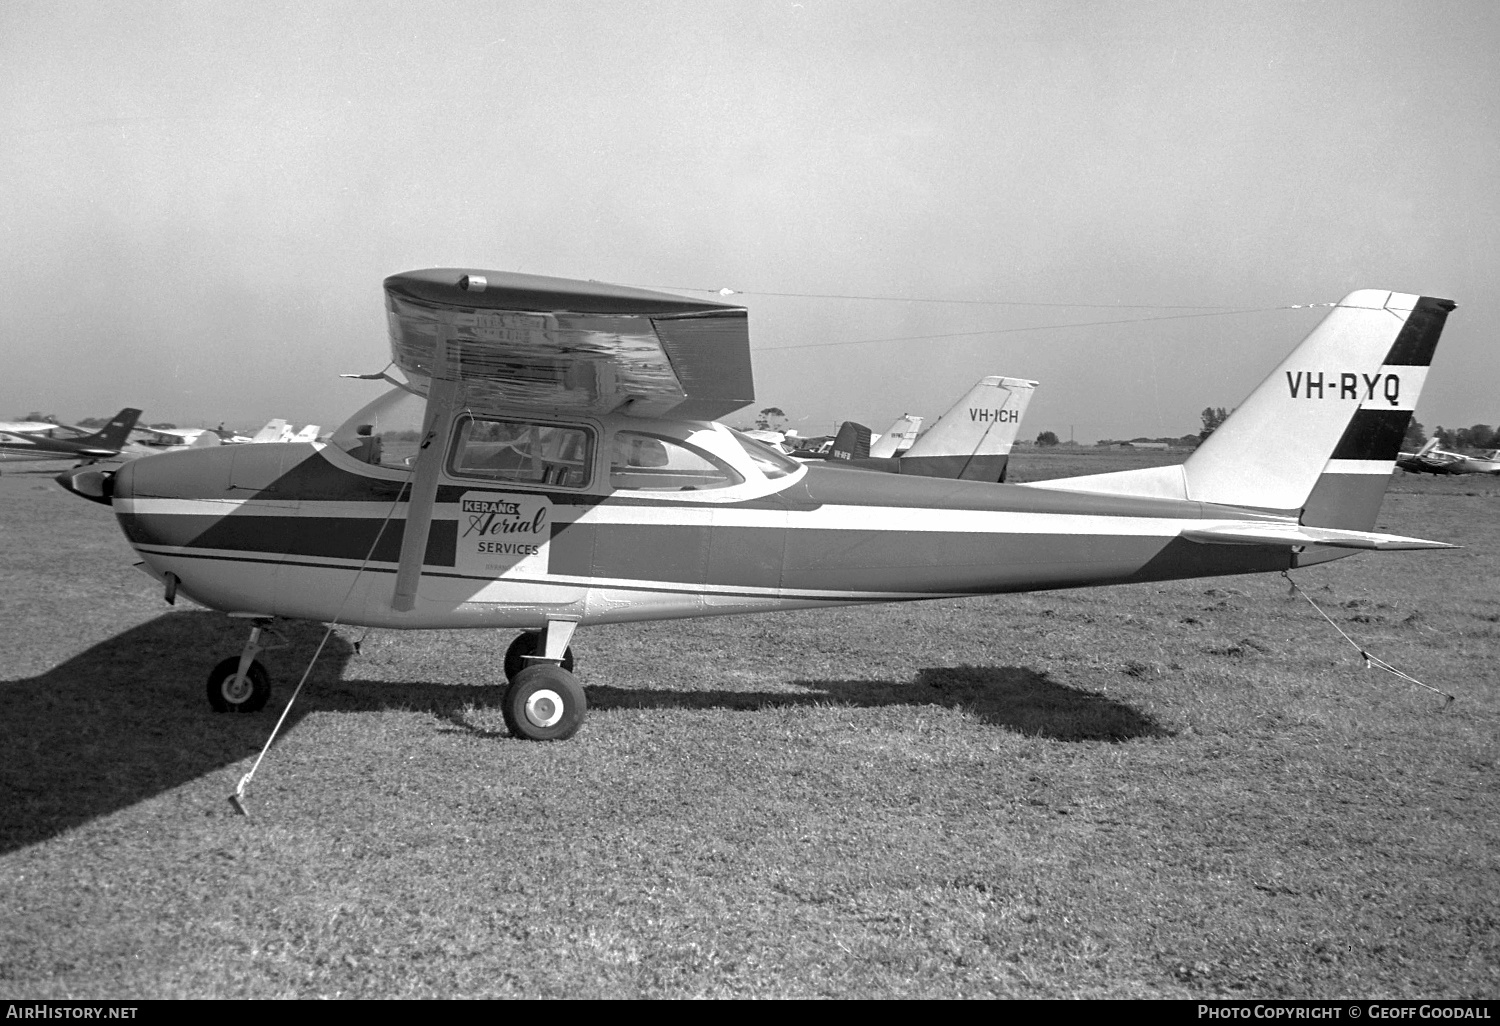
308,531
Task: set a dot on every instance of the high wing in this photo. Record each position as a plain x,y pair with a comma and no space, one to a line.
495,340
525,341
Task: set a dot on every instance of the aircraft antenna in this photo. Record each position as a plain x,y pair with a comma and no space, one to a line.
237,799
1370,660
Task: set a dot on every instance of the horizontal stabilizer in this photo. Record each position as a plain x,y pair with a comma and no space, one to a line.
1297,535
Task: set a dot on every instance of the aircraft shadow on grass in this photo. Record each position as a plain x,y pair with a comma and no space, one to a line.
1012,697
127,719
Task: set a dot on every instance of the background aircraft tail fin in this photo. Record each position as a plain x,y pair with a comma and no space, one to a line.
1320,436
898,439
851,443
972,441
274,431
114,434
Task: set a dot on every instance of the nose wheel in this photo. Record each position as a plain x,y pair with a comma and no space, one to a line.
230,691
240,684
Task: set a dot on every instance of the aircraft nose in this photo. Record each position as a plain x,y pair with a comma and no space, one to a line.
185,474
139,485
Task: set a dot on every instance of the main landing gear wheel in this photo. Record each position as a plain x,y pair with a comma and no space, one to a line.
529,644
229,695
544,703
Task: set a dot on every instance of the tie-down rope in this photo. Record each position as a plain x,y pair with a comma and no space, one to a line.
1370,660
237,799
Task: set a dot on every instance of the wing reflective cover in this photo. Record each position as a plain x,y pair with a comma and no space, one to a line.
522,340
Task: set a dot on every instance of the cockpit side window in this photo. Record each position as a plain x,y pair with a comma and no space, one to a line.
522,452
643,462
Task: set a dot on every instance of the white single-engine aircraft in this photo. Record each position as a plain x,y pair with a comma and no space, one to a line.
570,473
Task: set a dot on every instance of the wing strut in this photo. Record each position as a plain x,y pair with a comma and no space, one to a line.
442,397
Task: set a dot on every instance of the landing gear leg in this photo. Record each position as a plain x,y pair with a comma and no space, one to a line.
240,683
544,701
527,648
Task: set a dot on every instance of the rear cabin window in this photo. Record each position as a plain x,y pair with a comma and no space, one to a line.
652,463
522,452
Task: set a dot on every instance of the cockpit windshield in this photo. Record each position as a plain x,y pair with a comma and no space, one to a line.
385,432
768,461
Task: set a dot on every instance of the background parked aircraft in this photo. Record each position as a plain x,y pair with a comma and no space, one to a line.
150,439
274,431
898,438
971,442
1431,460
59,441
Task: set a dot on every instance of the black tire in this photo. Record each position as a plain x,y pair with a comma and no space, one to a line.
248,699
525,645
545,703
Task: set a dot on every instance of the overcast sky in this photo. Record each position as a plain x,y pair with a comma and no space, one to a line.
200,200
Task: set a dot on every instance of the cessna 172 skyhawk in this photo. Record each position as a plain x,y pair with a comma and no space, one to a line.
570,473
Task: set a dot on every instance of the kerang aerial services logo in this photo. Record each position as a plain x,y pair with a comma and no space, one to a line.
503,535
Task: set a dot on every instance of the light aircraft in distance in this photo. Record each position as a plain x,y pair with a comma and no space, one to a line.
147,440
570,472
893,443
901,436
59,442
1431,460
971,442
275,431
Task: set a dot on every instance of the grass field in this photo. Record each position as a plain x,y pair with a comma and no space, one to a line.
1177,790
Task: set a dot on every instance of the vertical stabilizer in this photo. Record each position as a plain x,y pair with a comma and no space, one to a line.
851,443
1320,436
274,431
898,439
972,441
1323,431
114,434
